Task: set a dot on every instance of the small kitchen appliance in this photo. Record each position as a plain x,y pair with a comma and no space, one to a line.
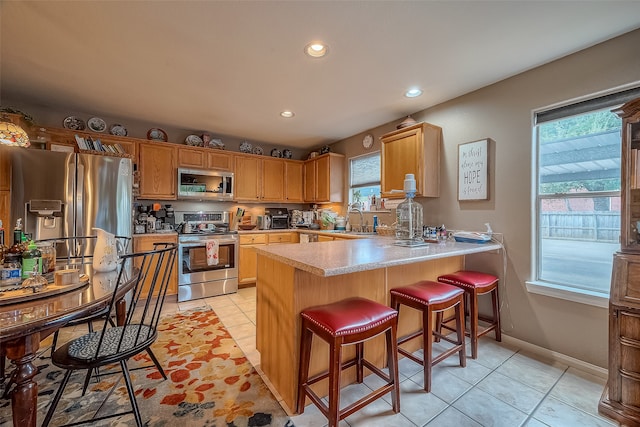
279,217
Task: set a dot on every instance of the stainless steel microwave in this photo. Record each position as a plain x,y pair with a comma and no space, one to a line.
202,184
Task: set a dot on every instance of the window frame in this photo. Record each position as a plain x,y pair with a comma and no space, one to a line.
596,102
366,184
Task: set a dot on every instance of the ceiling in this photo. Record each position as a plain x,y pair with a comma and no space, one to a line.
230,67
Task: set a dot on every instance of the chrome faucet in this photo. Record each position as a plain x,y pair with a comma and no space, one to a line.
352,209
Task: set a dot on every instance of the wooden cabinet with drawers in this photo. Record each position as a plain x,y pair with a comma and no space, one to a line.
621,398
145,242
247,270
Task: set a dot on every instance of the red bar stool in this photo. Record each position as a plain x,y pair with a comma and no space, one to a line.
431,297
475,283
350,321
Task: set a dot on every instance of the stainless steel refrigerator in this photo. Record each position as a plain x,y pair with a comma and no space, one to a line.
68,194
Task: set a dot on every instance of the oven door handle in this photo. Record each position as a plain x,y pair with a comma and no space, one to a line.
203,244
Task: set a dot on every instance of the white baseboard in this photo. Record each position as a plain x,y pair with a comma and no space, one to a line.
554,355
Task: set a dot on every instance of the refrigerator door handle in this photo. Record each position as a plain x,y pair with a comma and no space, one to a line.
79,197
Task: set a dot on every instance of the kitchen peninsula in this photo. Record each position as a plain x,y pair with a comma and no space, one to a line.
292,277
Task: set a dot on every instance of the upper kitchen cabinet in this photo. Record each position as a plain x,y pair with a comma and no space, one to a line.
204,158
191,158
157,166
324,178
414,149
218,159
630,194
248,173
267,179
293,181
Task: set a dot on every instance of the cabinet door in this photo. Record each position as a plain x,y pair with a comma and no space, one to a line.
322,238
157,167
400,154
191,158
275,238
293,182
145,243
5,170
247,178
416,150
5,212
248,265
218,159
323,179
272,180
310,181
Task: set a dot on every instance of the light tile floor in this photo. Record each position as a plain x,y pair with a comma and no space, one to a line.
503,387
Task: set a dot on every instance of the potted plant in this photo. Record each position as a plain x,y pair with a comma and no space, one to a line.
357,199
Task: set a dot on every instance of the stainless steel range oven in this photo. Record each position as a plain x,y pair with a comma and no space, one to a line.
196,277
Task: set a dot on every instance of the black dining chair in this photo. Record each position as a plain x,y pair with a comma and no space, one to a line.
71,252
74,252
117,344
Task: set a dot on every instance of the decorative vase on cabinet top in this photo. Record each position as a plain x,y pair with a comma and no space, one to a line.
105,255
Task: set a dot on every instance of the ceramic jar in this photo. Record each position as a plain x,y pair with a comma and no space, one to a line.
105,254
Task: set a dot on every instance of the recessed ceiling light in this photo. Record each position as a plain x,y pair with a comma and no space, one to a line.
316,49
287,114
412,93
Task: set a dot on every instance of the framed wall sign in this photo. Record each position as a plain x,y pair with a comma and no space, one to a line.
473,177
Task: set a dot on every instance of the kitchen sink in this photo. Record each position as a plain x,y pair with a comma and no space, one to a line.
353,233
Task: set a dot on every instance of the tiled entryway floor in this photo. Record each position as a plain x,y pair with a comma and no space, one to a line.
503,387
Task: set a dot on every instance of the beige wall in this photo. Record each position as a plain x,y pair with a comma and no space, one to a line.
503,112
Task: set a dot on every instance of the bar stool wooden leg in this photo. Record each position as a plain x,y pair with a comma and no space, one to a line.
335,369
305,356
392,358
495,302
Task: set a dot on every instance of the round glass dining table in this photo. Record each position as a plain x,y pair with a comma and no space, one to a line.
25,322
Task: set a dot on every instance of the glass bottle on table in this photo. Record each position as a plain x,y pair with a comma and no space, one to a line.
31,260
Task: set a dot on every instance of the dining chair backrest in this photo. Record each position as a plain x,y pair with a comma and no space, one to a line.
76,250
136,271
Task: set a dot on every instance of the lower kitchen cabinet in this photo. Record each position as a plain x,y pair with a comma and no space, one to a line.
247,270
145,242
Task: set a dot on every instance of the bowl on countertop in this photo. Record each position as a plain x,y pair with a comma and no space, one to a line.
246,226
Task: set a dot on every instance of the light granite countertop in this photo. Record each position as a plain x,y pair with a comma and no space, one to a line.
349,256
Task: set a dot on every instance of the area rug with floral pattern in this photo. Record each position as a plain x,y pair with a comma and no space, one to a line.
210,383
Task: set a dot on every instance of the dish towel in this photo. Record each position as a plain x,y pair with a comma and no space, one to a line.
212,252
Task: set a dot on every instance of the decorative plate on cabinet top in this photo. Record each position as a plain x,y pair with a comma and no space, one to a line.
194,140
276,153
96,124
73,123
246,147
118,130
287,154
216,143
157,134
258,150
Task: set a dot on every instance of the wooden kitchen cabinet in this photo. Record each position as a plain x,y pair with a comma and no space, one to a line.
324,178
621,398
145,242
204,158
248,263
248,173
265,179
5,193
414,149
157,167
218,159
191,158
272,180
293,181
